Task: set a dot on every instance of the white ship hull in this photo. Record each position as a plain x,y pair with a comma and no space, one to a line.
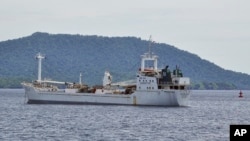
139,97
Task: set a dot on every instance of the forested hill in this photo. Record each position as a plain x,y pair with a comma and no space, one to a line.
68,55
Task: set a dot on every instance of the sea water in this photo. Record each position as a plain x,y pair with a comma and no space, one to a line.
207,118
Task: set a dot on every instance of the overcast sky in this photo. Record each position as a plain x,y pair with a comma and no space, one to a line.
215,30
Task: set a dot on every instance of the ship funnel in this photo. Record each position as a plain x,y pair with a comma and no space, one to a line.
39,57
107,79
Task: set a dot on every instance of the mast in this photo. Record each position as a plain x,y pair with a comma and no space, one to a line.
149,57
39,57
149,46
80,78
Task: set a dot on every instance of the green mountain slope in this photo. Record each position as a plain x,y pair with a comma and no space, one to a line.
68,55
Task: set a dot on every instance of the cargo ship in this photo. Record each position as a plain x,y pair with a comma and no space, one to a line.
153,87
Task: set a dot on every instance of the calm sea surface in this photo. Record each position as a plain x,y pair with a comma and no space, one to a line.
206,119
